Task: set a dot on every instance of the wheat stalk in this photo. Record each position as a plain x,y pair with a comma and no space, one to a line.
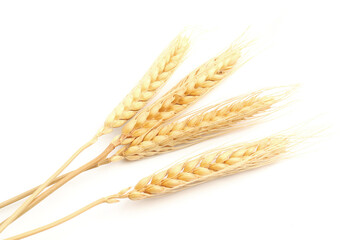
202,168
205,123
156,77
186,92
171,103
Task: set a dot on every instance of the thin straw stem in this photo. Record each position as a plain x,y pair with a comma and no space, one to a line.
30,191
27,193
18,212
60,221
109,199
60,183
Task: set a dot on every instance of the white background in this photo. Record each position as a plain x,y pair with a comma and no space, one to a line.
65,64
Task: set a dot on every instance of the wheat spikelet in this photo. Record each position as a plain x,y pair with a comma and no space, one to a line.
205,123
214,164
158,74
186,92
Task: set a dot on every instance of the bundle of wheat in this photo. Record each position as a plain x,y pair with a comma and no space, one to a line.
186,92
160,127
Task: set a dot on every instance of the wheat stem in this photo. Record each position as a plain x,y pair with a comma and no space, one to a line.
54,224
110,199
15,215
60,183
26,193
30,191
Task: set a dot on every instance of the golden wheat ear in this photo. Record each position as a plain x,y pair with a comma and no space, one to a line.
207,122
157,75
188,91
207,166
154,79
217,163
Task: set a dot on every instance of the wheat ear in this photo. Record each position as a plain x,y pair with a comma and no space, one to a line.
186,92
156,77
158,74
202,168
206,123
